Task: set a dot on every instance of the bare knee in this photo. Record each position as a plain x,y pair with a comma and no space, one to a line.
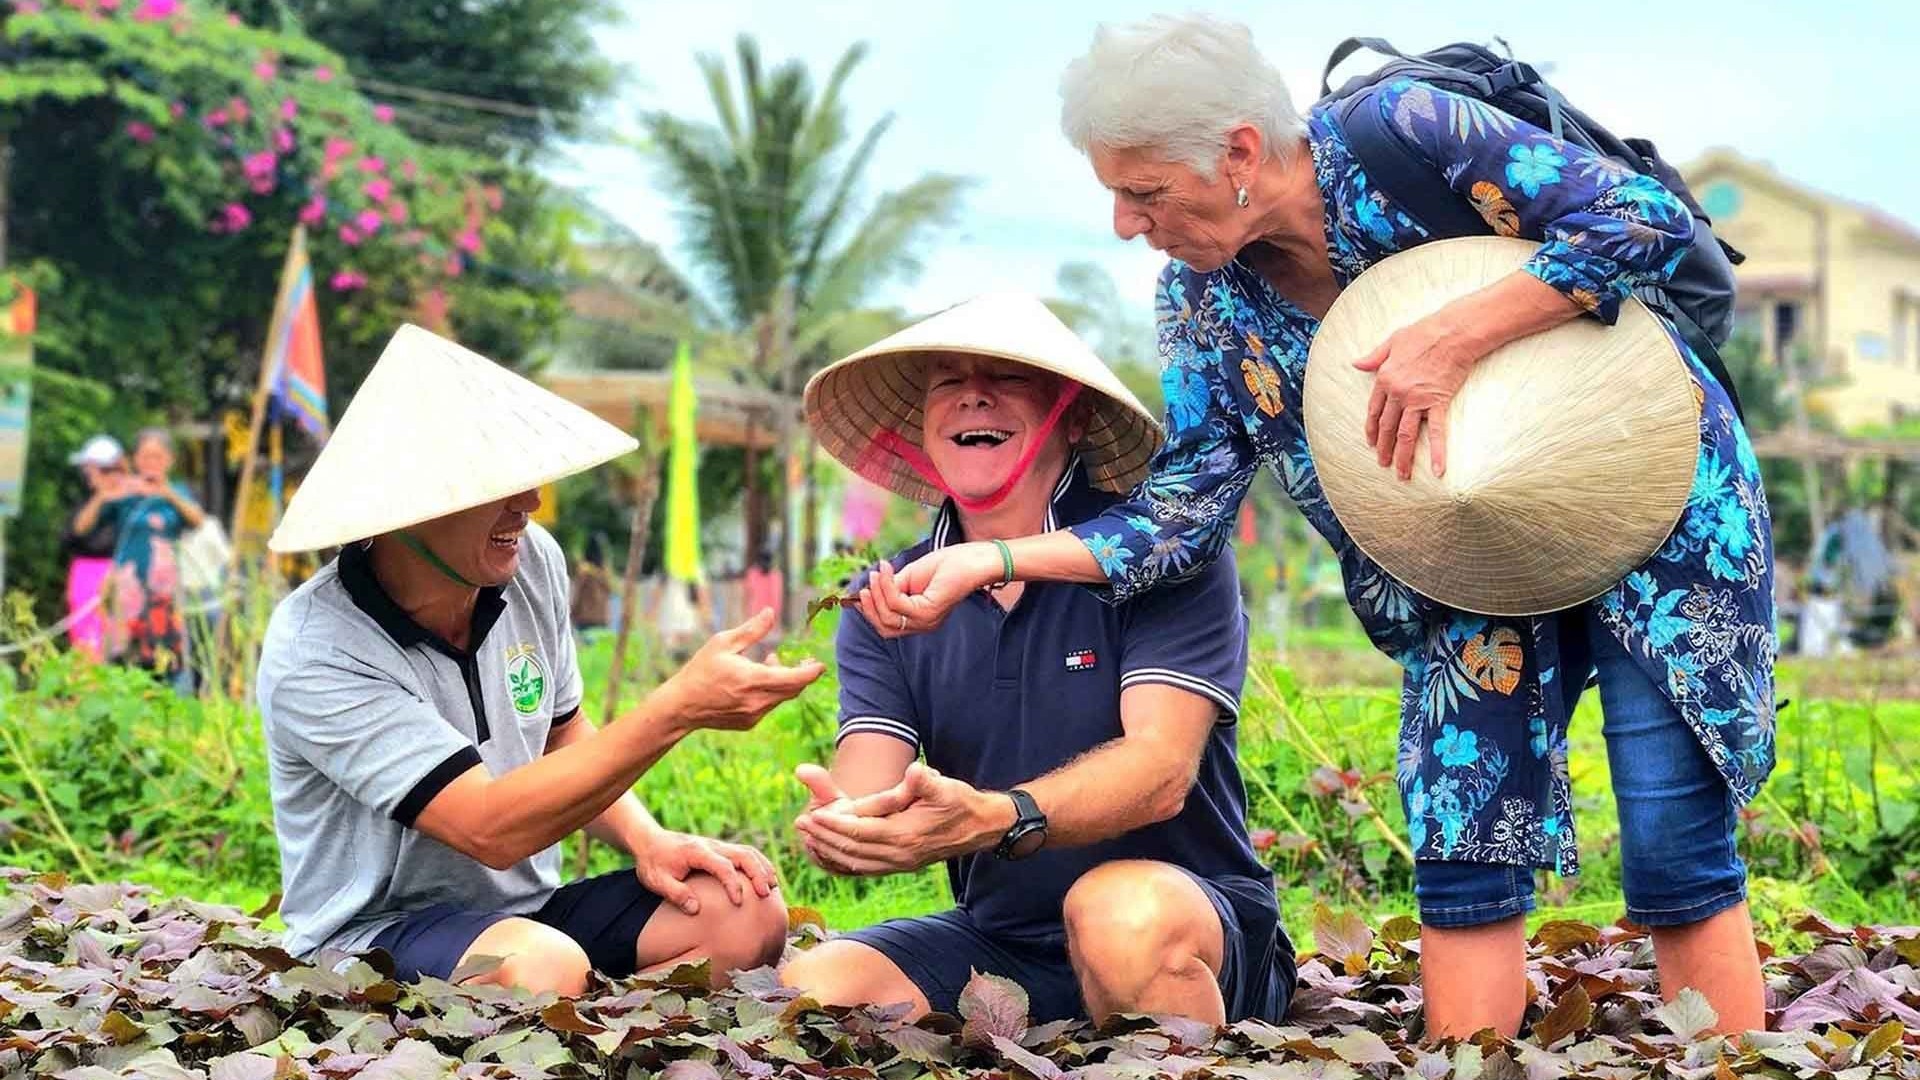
739,937
534,957
1132,924
850,973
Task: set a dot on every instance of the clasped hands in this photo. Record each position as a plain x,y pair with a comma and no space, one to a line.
924,819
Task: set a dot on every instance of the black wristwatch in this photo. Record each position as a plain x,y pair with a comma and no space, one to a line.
1029,829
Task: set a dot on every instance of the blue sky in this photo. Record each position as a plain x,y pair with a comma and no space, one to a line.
1823,92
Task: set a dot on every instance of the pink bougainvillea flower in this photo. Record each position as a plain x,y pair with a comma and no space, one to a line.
408,169
156,10
350,236
468,241
349,280
26,7
455,265
337,148
139,132
109,5
369,221
493,197
177,109
289,109
397,213
314,212
323,74
233,19
283,140
261,169
217,118
238,107
383,113
266,71
379,189
373,164
233,218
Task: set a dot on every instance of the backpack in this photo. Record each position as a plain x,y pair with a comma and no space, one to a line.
1697,299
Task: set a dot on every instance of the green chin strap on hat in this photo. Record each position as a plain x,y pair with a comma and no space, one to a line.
414,545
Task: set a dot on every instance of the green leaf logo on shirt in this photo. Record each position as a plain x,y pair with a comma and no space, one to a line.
526,680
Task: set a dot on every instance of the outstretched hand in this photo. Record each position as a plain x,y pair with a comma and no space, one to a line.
720,687
823,793
938,818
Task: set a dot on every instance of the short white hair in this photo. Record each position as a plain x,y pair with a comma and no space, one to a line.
1174,86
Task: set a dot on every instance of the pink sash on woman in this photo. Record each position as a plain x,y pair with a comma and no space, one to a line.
85,578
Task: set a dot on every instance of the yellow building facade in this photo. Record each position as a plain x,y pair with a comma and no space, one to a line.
1831,282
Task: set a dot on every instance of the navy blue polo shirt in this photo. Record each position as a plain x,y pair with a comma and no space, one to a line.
999,698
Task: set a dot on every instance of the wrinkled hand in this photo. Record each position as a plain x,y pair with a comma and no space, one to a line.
824,794
1419,370
942,818
721,688
918,597
667,859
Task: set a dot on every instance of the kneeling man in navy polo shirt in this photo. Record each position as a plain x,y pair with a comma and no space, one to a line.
423,707
1079,777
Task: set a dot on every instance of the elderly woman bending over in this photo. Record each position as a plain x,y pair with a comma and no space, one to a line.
1266,216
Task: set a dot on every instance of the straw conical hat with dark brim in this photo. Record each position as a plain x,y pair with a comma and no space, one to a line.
1570,453
436,429
882,387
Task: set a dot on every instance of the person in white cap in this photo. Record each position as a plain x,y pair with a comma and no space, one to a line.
1080,778
423,706
90,538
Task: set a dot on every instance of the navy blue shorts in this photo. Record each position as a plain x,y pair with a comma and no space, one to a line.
603,915
940,952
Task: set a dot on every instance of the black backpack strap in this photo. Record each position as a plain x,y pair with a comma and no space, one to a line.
1703,347
1348,48
1406,177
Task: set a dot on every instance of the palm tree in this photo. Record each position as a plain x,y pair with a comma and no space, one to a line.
775,224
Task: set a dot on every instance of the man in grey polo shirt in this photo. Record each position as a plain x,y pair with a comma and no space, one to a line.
422,705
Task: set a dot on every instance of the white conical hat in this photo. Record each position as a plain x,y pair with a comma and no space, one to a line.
436,429
1570,453
881,388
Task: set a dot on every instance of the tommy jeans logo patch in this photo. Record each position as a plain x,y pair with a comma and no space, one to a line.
1080,660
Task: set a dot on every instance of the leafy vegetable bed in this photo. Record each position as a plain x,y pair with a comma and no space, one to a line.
109,980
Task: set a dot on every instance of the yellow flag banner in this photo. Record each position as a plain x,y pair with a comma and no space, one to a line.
683,493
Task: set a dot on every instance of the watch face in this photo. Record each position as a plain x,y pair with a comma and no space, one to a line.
1028,843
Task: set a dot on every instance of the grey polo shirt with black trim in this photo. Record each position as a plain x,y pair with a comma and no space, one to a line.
369,715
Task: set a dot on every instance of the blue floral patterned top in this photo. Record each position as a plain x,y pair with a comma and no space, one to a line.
1483,758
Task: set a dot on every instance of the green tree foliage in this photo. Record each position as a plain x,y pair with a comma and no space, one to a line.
494,75
162,153
1121,332
771,191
